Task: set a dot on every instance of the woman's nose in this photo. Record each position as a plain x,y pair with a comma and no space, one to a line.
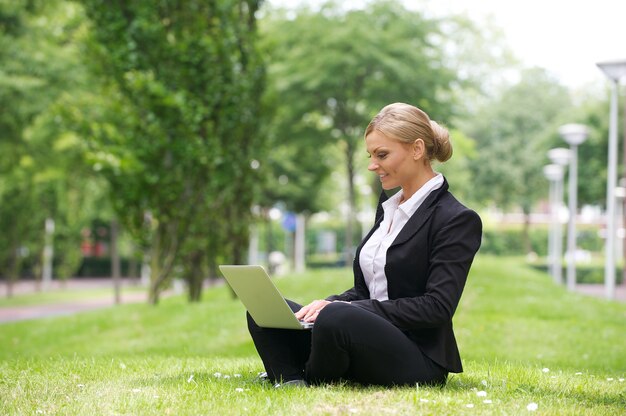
372,166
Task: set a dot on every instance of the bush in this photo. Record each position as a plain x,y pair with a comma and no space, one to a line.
100,267
510,242
593,274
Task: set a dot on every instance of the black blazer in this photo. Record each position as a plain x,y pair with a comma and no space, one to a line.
427,266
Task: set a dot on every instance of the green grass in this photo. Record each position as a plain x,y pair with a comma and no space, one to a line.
523,341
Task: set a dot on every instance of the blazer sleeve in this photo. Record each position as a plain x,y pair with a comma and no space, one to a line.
452,252
347,296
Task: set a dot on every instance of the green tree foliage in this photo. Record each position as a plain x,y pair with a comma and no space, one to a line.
183,83
332,70
511,133
38,66
593,112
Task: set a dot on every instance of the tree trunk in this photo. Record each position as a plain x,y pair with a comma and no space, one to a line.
9,288
526,232
164,251
155,270
48,254
115,263
154,291
194,275
624,200
349,239
269,241
299,249
13,271
133,264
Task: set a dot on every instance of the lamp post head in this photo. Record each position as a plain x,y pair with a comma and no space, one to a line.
613,69
559,155
553,172
573,134
620,192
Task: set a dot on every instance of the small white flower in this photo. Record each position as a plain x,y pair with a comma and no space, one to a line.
156,396
136,390
487,401
237,375
239,389
190,379
39,412
469,405
579,373
217,374
424,400
353,410
621,380
123,366
609,379
532,407
484,383
226,376
545,370
80,386
481,393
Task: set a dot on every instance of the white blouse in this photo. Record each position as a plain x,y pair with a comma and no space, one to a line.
373,256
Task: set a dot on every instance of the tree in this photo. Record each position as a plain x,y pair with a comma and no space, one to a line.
593,112
335,69
183,83
511,135
38,61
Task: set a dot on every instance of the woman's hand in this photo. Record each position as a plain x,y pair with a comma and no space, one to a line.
310,312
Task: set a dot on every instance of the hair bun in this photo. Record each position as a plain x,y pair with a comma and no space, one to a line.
442,149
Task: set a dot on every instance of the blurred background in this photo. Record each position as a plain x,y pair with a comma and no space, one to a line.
148,142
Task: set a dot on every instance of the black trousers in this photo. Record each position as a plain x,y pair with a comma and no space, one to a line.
346,343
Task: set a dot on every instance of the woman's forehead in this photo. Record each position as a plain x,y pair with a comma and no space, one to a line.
377,139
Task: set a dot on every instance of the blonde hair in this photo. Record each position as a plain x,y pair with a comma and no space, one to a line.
407,123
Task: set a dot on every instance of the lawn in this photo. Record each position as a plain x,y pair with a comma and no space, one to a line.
529,347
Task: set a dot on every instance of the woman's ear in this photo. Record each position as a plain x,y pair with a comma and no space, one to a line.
419,147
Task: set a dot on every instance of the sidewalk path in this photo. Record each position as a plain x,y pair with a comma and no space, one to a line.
67,307
18,313
104,300
597,290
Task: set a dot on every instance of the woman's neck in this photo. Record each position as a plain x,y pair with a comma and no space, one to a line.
409,189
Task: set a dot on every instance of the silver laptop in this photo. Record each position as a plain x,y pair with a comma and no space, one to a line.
261,298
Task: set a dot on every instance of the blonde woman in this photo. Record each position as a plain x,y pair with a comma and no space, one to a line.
394,326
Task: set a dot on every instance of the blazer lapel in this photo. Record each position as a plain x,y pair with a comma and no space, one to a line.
421,216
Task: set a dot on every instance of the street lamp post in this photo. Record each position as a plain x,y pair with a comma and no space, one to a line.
574,135
620,194
554,174
48,254
614,71
559,156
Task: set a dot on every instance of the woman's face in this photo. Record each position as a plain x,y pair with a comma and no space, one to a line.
392,160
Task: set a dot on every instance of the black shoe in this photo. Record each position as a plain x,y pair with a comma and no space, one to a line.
292,383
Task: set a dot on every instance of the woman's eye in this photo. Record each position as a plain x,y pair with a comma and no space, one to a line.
382,155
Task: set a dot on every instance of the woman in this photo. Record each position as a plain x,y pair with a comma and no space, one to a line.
394,327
